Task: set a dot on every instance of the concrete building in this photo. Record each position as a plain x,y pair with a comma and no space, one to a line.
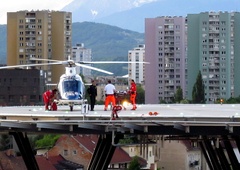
21,87
182,156
147,153
136,70
165,49
80,53
213,49
39,34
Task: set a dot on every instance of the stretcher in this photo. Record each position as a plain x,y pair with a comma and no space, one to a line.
120,97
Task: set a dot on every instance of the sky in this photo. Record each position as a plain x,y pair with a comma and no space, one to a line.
19,5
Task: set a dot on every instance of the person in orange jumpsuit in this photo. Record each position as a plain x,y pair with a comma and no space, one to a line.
133,93
109,93
48,96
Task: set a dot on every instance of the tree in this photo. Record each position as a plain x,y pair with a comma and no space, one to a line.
198,94
47,141
134,164
178,95
5,142
129,139
140,99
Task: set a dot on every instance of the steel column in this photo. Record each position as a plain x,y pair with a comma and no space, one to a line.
212,154
237,139
96,154
231,154
203,148
103,152
222,157
26,150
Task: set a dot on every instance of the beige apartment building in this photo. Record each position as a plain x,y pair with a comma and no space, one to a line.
39,34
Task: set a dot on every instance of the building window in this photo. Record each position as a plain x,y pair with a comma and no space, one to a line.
74,152
33,97
11,98
39,38
2,98
65,152
123,165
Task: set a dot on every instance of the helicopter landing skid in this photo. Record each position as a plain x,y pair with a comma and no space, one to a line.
71,103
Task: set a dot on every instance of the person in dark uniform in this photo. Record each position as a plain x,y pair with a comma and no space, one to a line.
92,91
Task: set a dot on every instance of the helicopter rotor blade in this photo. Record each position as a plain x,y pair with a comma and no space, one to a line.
43,59
30,65
63,62
93,68
112,62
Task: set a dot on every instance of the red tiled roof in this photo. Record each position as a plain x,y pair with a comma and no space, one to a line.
88,141
44,163
120,156
56,159
52,162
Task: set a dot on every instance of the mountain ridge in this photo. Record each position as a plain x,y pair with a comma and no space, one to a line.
134,18
89,10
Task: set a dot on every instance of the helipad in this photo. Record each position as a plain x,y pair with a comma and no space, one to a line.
150,119
156,111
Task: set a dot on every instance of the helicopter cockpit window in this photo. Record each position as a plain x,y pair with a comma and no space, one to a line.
72,86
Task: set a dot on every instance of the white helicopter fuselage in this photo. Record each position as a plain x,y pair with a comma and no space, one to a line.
71,88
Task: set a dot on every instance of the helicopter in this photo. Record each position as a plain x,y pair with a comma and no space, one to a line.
71,87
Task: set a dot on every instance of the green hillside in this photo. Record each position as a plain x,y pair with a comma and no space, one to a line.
107,43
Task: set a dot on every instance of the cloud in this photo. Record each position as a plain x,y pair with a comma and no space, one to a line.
18,5
138,3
